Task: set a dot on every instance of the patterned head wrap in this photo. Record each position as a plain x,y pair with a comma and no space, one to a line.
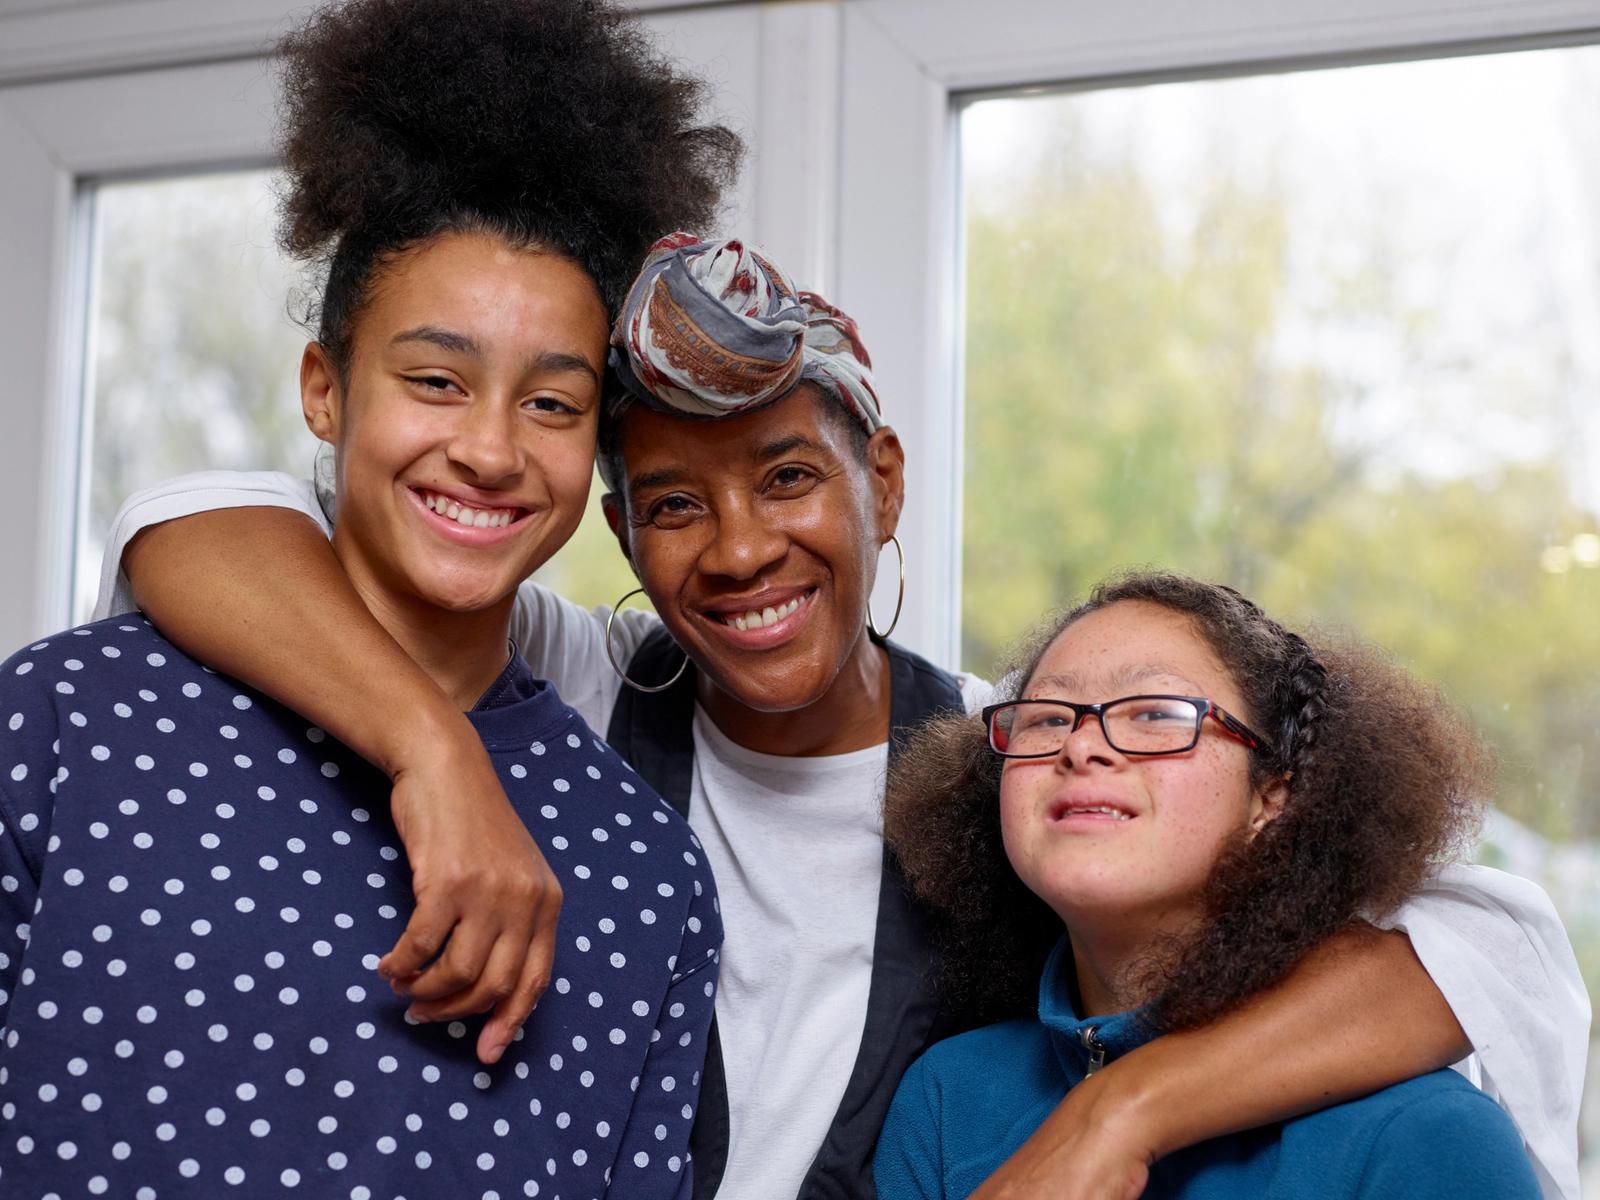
711,329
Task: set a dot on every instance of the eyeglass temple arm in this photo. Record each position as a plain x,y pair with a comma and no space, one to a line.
1239,729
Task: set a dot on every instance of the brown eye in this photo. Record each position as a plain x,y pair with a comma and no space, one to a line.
792,480
552,405
671,512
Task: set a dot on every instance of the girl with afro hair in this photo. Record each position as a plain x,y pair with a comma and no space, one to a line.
197,883
1179,802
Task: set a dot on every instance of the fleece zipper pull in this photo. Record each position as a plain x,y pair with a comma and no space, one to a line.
1095,1047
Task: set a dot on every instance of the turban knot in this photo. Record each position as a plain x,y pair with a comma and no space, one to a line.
711,329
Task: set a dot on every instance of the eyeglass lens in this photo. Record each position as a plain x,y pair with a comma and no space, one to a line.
1141,724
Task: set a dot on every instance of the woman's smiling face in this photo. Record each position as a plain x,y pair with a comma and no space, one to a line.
465,426
1106,838
757,537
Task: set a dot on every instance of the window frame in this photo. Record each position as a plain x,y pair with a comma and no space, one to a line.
55,136
124,88
912,63
849,107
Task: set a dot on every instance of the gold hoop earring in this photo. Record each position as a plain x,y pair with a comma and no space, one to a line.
611,654
899,600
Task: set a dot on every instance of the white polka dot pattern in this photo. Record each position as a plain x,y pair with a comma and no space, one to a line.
194,889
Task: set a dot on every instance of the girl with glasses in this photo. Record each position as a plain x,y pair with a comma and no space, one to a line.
1184,802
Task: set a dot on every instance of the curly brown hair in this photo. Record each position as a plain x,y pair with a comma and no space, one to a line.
1385,781
550,123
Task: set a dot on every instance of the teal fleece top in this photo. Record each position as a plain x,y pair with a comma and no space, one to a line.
970,1101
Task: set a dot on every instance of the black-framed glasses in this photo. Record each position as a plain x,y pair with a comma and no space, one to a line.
1131,725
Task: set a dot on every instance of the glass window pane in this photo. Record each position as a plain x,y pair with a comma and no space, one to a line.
1332,337
194,356
194,360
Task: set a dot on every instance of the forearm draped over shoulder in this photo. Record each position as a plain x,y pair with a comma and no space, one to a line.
561,641
185,496
1496,949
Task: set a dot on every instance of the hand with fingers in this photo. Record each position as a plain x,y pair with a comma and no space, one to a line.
483,934
1092,1147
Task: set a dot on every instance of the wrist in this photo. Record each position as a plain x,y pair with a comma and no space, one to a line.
1128,1102
432,735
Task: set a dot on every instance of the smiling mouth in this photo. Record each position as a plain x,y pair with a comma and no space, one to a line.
1106,811
467,515
761,618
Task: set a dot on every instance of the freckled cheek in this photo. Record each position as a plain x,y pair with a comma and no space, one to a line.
1022,818
380,440
568,485
1201,819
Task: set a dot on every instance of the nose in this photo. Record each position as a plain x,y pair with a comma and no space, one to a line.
1085,745
742,544
483,443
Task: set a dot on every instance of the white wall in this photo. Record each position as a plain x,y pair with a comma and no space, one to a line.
846,105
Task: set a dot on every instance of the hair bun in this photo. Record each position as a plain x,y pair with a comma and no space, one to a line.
555,118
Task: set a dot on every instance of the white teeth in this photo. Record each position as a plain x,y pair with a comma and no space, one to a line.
474,518
766,616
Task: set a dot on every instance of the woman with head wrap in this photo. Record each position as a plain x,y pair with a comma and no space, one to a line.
752,486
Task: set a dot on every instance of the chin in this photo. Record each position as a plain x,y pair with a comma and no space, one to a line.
464,595
770,687
1087,888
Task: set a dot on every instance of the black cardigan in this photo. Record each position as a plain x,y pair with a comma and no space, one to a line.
654,732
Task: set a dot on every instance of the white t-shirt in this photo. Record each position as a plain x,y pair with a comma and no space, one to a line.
796,846
1492,942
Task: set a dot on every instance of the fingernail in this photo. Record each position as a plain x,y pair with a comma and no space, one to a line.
496,1051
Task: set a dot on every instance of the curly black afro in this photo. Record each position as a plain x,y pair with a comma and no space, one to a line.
549,122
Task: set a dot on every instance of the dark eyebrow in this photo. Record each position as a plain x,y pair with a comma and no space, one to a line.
559,360
778,447
544,361
445,339
665,477
1132,676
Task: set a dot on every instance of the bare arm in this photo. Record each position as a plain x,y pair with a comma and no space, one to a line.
1358,1014
258,593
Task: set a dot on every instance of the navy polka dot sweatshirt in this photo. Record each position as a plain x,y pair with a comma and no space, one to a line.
195,888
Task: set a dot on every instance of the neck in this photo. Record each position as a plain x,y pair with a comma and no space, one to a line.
1119,963
852,714
462,652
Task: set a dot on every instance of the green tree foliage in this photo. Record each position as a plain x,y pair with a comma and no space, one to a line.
1129,402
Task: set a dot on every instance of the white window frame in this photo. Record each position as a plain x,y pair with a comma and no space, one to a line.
54,136
905,64
847,106
113,88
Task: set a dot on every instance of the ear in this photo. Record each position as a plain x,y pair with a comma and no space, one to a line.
1267,803
320,395
611,505
886,463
